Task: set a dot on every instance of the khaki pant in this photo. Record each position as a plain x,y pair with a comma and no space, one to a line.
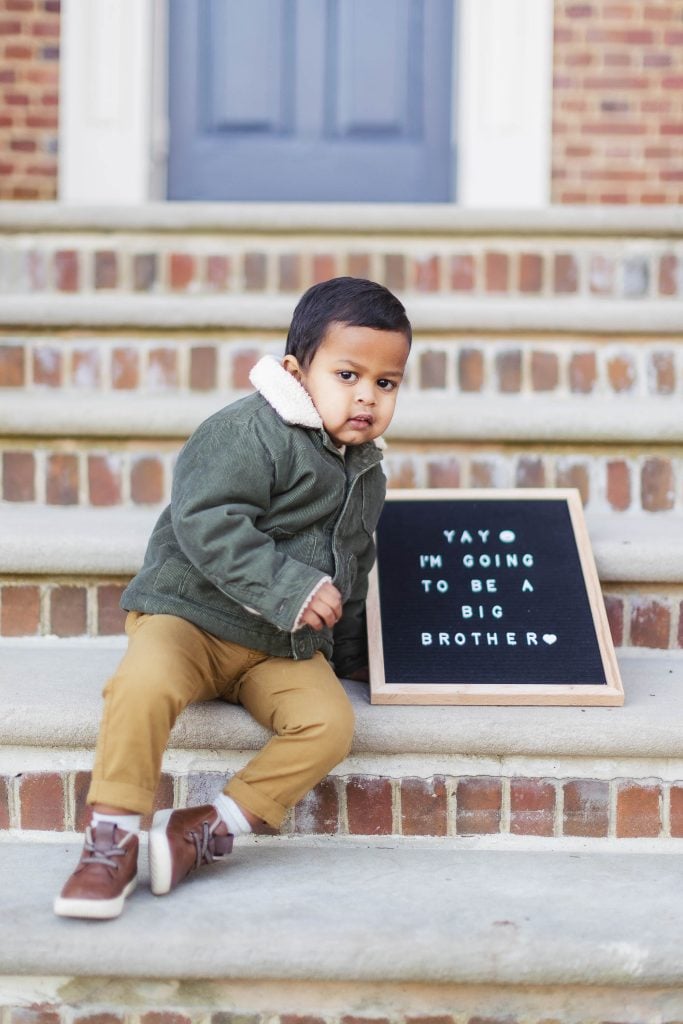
171,663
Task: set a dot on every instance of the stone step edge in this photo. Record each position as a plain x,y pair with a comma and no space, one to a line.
51,697
420,416
440,314
343,218
421,913
61,540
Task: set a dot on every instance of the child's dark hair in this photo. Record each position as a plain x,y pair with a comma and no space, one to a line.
351,301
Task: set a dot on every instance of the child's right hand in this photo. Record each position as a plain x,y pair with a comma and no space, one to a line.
324,608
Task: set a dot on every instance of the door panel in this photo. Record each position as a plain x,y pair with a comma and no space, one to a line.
310,99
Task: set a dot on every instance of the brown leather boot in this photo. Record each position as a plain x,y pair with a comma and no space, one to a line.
106,874
180,841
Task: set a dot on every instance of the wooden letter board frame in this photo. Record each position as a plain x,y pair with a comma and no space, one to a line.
384,691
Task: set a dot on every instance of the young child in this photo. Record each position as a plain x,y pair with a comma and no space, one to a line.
252,591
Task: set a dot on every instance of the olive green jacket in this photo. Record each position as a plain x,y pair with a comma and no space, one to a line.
263,508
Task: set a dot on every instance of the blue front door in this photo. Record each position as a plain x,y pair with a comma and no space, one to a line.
311,100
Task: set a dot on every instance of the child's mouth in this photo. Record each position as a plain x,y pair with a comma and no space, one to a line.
360,421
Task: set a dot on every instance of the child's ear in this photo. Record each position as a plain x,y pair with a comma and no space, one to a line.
291,364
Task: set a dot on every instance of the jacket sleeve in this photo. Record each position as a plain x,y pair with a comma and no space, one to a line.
222,485
350,634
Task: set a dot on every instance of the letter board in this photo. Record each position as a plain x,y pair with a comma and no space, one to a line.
488,597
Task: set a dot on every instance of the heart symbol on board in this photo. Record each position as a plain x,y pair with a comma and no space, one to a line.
549,638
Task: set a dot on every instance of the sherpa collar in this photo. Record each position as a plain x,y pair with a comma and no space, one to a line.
287,396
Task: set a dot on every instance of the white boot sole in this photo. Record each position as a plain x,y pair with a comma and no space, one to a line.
160,860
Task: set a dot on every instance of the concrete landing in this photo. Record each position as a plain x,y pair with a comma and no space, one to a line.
431,911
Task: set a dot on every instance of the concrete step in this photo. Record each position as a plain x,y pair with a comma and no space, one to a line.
362,930
63,568
557,772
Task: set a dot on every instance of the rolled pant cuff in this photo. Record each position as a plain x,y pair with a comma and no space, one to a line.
120,794
262,806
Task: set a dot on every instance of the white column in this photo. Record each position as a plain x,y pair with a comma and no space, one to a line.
110,139
505,50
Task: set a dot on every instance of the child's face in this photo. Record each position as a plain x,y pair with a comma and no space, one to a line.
353,380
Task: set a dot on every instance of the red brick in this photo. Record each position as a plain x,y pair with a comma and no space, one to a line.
324,267
68,611
162,370
586,808
110,614
401,473
106,270
565,274
426,272
471,369
289,272
462,273
359,265
255,269
163,798
445,1018
424,807
621,373
37,1014
285,1018
482,473
444,472
582,372
369,806
18,476
125,369
47,366
20,610
544,371
182,270
12,366
614,607
619,485
62,479
203,367
82,812
318,812
395,271
530,272
85,368
4,803
145,272
165,1017
530,472
218,273
353,1019
433,370
657,485
98,1018
668,274
104,479
41,797
650,623
532,807
66,270
574,475
479,803
496,272
662,373
676,810
638,810
147,480
242,364
509,371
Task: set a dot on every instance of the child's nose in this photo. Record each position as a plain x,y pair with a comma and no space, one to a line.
365,392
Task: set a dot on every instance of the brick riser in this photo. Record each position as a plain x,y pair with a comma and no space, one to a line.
219,264
609,478
369,805
647,616
580,364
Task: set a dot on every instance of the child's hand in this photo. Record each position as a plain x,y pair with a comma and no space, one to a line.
324,608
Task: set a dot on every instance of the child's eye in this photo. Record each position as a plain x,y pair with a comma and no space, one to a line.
347,375
386,385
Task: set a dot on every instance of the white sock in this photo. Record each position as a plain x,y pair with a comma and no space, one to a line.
232,815
126,822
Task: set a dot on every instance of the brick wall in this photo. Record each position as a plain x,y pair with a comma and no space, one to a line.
29,98
618,102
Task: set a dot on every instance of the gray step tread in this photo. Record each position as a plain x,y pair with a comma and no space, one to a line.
420,416
45,539
273,312
365,911
50,696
